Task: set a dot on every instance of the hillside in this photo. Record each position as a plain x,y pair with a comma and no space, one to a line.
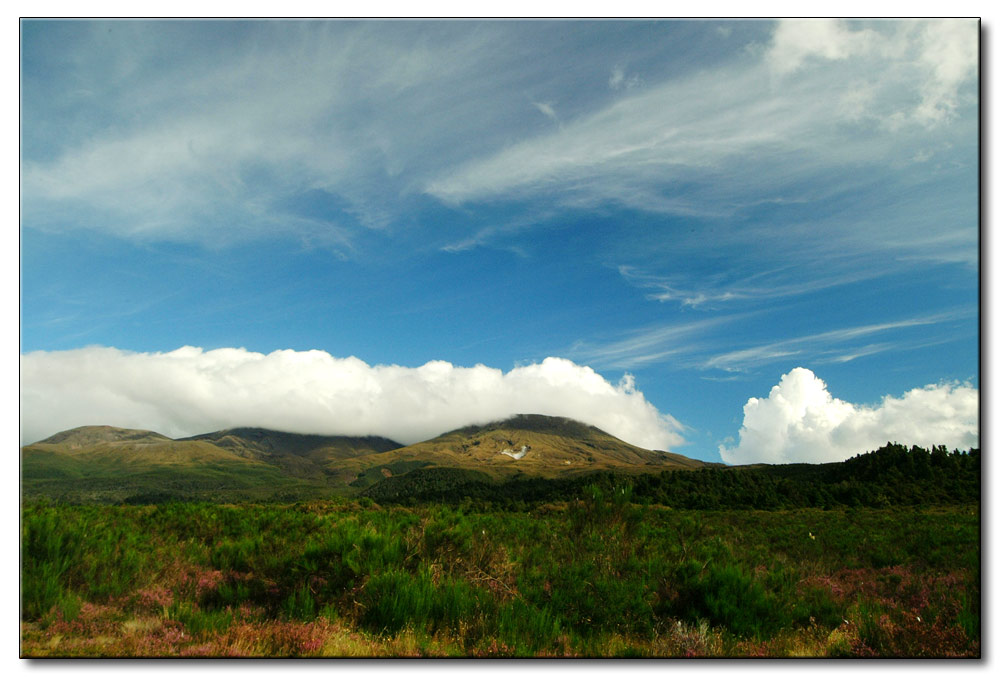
297,454
260,442
95,434
115,464
525,445
105,463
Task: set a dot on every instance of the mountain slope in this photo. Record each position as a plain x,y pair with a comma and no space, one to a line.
99,463
94,434
261,442
527,444
107,463
298,454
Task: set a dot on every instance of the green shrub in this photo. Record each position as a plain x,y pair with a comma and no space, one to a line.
393,600
727,596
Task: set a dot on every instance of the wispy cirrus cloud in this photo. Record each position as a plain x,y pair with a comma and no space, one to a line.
829,346
818,111
666,343
223,132
547,109
694,345
619,79
781,99
715,291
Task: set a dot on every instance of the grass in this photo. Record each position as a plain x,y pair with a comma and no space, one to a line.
589,578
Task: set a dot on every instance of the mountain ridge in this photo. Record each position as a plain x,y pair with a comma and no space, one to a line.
258,459
91,434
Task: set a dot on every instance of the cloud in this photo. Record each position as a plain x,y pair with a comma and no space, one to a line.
829,343
191,390
801,422
547,110
694,344
619,81
796,41
213,132
217,132
713,291
695,124
949,54
822,111
936,59
651,344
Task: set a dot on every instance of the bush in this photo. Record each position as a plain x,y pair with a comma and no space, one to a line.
727,596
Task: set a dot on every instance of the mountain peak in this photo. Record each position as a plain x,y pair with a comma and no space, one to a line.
539,423
97,434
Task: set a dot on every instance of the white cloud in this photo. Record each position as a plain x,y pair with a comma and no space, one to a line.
801,422
651,344
547,110
712,291
931,59
696,344
190,391
163,134
618,80
823,343
823,110
796,41
217,140
950,56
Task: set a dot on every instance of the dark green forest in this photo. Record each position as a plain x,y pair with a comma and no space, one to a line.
893,475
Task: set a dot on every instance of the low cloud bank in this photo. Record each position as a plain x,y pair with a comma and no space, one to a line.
191,390
800,422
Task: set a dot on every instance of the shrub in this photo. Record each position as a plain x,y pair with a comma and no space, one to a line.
728,596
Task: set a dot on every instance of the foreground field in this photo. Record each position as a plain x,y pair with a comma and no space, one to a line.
598,577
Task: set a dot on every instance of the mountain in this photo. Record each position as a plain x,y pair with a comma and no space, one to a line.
97,434
261,442
298,454
115,464
101,463
525,444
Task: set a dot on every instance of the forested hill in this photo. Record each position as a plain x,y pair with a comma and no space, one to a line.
891,475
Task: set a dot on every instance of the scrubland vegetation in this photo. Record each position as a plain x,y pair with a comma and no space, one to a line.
609,572
599,577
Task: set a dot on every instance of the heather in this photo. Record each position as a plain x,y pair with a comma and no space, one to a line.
603,574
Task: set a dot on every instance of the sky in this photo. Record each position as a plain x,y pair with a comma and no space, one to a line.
742,241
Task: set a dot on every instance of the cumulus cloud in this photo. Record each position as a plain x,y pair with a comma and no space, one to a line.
801,422
191,390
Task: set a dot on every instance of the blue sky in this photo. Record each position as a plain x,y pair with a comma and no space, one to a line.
687,214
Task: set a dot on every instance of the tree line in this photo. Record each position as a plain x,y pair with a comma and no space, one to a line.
892,475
